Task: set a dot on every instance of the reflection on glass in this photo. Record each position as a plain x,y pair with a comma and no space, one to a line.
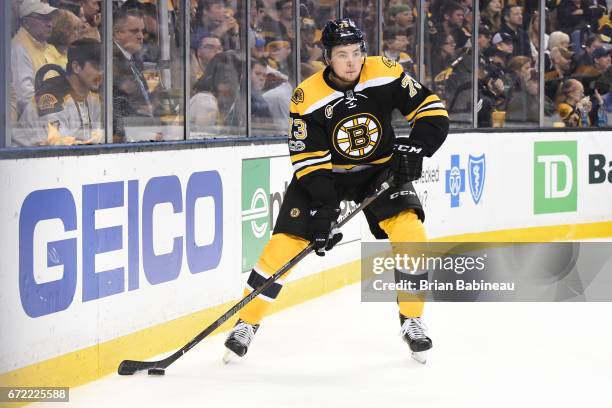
147,72
218,83
55,76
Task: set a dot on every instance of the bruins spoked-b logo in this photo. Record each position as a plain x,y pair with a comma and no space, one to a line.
298,96
357,136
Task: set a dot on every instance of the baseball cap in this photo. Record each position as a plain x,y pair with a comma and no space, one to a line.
600,52
28,7
501,37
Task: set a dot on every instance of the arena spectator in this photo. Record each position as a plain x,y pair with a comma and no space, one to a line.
279,22
490,14
533,32
401,16
601,60
150,44
512,24
259,107
204,47
452,21
67,28
28,48
490,93
93,17
131,96
504,42
484,39
214,17
278,51
573,107
67,108
443,54
585,56
522,105
571,15
396,47
561,70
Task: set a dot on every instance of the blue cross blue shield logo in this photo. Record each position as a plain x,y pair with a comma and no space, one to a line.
455,181
476,171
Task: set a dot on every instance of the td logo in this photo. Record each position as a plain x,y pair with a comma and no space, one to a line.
555,186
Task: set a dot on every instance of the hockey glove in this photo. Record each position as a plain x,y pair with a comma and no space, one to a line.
323,225
407,163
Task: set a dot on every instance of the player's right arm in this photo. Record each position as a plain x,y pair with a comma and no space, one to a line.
310,155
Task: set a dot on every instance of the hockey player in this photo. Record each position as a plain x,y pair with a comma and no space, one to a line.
342,146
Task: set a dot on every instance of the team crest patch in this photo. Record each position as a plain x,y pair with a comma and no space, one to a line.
298,96
356,137
329,111
388,62
47,102
294,213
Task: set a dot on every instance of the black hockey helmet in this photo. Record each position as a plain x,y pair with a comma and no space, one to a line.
341,32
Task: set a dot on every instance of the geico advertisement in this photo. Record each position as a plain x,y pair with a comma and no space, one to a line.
48,221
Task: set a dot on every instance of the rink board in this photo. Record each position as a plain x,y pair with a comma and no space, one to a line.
107,256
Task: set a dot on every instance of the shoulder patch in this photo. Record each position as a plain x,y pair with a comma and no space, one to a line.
298,96
47,103
388,62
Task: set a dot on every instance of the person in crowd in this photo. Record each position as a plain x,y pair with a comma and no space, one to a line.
451,23
573,107
204,47
504,42
214,17
522,105
571,15
278,51
92,12
396,47
259,107
28,48
490,94
443,53
484,39
557,39
533,32
131,96
490,14
67,108
561,70
310,52
278,23
512,25
601,60
585,56
67,28
401,16
150,45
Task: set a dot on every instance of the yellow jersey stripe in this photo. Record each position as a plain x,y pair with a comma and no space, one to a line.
310,169
302,156
433,112
429,99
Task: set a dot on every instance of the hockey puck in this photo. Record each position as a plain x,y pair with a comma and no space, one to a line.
156,371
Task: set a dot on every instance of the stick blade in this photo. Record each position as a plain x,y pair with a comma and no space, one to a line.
129,367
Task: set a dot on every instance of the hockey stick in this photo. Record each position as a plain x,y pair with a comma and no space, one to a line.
129,367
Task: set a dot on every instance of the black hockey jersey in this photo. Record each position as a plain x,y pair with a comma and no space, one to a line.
347,131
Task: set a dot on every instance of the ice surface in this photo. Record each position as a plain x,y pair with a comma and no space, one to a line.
336,351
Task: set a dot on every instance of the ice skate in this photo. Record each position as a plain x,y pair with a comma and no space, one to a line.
238,340
413,333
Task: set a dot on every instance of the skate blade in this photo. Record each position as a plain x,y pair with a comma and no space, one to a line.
420,356
229,356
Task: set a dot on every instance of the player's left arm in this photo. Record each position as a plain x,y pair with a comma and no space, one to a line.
424,111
